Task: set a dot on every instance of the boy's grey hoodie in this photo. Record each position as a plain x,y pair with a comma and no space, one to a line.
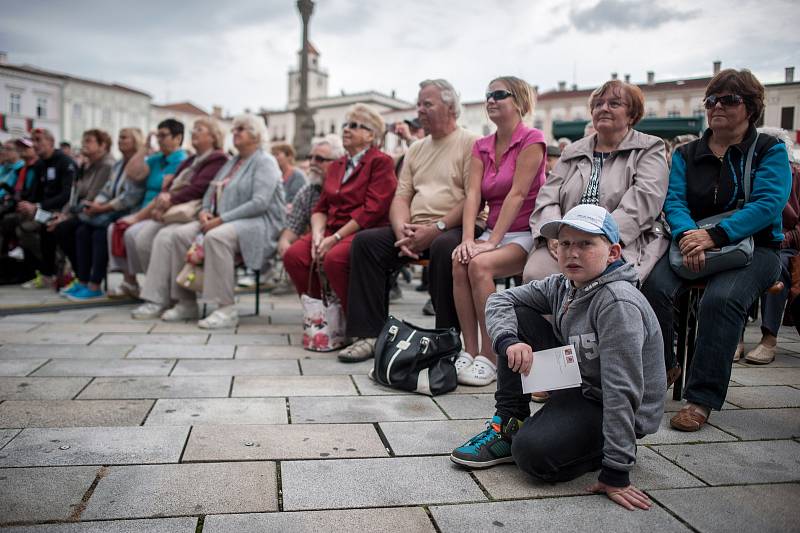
615,331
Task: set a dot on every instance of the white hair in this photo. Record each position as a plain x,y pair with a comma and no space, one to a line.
782,135
255,125
448,94
334,142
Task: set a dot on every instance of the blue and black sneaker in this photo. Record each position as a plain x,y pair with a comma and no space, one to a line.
490,447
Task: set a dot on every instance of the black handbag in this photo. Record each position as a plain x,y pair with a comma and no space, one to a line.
415,359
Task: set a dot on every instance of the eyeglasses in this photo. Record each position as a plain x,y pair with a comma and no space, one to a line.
163,135
319,159
612,104
352,125
728,100
499,94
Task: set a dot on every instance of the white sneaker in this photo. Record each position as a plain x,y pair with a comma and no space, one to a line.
224,317
147,311
183,310
17,253
463,361
480,372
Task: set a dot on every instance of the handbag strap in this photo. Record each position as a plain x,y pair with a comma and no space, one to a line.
324,286
748,166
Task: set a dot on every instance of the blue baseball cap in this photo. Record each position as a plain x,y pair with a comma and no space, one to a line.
585,217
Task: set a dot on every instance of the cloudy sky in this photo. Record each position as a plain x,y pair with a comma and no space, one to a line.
236,53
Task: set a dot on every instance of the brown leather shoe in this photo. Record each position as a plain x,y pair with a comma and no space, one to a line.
690,418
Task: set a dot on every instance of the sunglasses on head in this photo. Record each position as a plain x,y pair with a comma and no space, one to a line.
499,94
352,125
728,100
319,159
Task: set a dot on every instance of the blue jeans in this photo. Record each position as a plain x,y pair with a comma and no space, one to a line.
772,305
721,318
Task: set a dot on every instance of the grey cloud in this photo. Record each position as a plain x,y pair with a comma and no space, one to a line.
625,14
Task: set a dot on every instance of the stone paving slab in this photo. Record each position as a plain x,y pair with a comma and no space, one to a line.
62,351
249,339
667,435
751,509
184,327
185,412
162,525
388,520
754,424
766,396
471,406
286,317
293,386
167,387
41,388
331,366
766,376
124,326
73,413
275,367
320,410
651,472
75,316
39,494
6,435
429,438
19,367
755,462
142,338
277,352
180,351
47,337
106,368
145,491
98,445
17,327
369,387
782,360
374,482
295,441
269,329
567,515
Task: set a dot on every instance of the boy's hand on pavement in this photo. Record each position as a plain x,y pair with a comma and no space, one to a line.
628,497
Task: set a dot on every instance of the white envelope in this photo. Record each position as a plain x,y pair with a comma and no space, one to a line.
553,369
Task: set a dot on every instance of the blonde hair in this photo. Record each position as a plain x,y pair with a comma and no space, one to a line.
138,137
370,117
254,125
521,92
214,129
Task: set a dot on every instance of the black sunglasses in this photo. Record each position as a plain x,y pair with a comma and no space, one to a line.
352,125
499,94
319,159
729,100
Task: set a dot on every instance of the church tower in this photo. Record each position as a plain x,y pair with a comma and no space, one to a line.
317,79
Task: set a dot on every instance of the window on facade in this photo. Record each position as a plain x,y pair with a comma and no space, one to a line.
106,117
77,111
673,113
333,127
787,118
699,111
650,113
41,107
15,103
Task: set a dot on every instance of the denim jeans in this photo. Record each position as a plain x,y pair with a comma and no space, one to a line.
772,305
721,318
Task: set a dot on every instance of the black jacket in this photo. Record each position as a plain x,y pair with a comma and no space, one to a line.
53,181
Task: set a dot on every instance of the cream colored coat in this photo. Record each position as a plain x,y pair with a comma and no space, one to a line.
633,185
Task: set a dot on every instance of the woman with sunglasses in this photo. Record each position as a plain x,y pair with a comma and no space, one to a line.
356,194
506,171
707,179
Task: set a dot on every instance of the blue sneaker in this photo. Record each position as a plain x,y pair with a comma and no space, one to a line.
73,287
490,447
84,293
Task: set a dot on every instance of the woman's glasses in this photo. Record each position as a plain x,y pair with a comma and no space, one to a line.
499,94
728,100
319,159
352,125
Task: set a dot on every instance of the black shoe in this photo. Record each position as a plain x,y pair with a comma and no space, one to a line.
428,309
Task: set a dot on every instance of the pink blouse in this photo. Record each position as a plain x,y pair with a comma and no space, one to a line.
497,180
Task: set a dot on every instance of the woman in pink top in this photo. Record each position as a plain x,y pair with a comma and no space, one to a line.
508,183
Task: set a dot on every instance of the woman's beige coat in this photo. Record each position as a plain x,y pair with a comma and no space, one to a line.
633,185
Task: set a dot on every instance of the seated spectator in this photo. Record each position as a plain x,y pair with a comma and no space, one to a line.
152,171
298,222
618,168
66,149
9,218
49,193
596,308
242,213
293,177
506,172
425,214
118,196
356,195
553,153
10,164
707,179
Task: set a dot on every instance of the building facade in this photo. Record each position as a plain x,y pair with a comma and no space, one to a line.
187,113
28,99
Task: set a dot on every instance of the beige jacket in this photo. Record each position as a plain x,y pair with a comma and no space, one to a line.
633,185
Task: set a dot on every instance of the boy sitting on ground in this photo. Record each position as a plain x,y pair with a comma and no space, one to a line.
598,309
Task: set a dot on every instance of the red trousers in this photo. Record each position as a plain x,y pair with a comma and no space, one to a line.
335,264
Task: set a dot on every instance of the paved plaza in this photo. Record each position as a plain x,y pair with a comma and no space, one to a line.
114,425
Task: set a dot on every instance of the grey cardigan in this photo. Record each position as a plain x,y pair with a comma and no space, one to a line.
129,193
253,203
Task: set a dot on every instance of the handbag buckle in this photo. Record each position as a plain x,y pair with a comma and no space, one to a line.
424,342
393,333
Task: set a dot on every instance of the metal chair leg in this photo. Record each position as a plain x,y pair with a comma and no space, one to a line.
258,290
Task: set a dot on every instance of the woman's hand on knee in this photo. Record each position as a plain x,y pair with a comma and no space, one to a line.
462,252
520,357
480,247
628,497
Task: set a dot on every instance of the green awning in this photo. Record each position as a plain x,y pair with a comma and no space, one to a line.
666,128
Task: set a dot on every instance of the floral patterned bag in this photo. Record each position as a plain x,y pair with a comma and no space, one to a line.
323,318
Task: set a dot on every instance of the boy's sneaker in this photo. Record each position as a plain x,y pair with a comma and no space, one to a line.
490,447
73,286
84,293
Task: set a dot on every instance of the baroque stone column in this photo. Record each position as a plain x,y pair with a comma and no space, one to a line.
303,115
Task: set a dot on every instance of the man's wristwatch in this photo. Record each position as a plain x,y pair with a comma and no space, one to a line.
440,225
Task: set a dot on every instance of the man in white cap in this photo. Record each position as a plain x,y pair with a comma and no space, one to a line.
597,308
